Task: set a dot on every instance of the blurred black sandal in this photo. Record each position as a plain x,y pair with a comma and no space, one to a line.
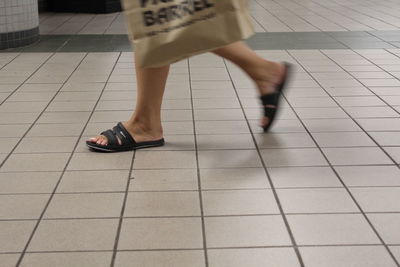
119,139
271,101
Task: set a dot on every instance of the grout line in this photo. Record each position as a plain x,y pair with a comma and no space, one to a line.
121,218
197,249
276,197
198,171
208,190
196,216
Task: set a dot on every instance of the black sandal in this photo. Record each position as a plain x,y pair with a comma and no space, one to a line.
127,141
273,99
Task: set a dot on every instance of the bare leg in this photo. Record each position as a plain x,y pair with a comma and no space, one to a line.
265,74
145,122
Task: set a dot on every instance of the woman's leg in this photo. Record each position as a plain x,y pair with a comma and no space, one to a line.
265,74
145,122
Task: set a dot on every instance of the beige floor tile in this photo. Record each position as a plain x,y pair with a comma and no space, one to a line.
64,117
176,104
316,200
93,181
246,231
219,114
110,116
79,87
28,182
16,207
331,229
236,141
182,258
176,115
127,105
100,259
67,106
371,112
164,180
40,87
74,235
3,157
206,103
343,139
235,178
161,233
359,101
309,102
396,251
164,160
100,161
18,118
177,142
23,106
394,152
40,130
229,159
205,85
8,88
222,127
293,157
32,96
361,256
7,144
284,140
18,232
387,226
9,260
213,93
356,156
386,138
96,205
304,177
143,204
380,124
77,96
36,162
253,257
385,199
178,128
321,113
369,175
46,144
331,125
239,202
7,130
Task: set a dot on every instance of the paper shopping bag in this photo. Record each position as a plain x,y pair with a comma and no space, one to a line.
166,31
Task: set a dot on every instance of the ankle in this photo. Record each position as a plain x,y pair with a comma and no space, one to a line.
145,126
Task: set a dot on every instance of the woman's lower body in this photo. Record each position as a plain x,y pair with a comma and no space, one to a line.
145,123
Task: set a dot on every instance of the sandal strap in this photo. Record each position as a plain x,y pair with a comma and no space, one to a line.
111,137
123,135
269,112
270,99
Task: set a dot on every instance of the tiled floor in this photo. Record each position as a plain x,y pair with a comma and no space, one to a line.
322,189
268,16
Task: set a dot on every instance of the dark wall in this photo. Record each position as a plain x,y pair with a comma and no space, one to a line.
83,6
42,5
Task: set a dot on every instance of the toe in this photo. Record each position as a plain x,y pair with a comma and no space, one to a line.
93,139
